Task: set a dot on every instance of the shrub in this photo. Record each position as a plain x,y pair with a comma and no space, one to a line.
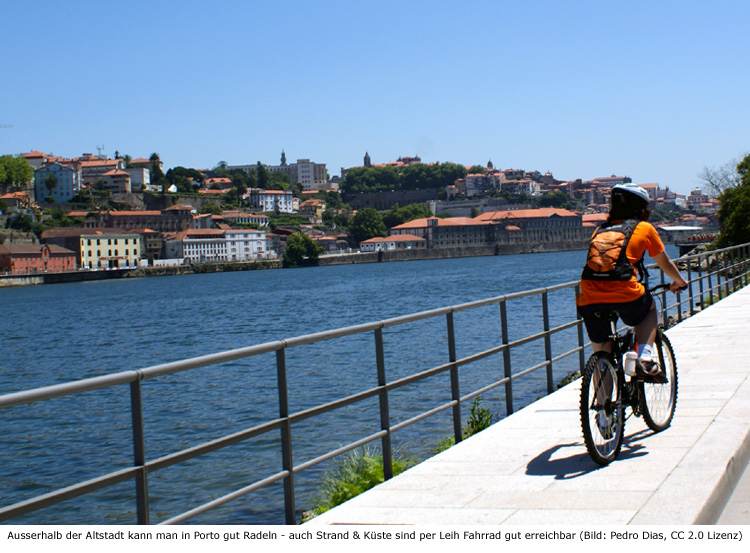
479,419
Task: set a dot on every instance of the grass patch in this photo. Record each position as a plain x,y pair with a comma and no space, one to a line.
480,418
356,473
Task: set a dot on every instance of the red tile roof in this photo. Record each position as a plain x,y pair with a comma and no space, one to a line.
394,238
133,213
543,212
33,249
444,222
33,154
100,163
595,217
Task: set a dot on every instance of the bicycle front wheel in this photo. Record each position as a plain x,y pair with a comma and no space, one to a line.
659,400
601,409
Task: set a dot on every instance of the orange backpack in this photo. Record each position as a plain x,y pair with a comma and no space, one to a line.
607,259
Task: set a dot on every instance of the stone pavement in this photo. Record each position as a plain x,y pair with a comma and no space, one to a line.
532,467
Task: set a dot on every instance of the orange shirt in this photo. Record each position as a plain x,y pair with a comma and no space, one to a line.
645,239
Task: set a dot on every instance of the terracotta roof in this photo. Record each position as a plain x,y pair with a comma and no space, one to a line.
201,233
99,162
69,232
444,222
595,217
77,213
180,207
15,196
26,249
116,173
134,213
543,212
312,202
33,154
217,180
394,238
212,191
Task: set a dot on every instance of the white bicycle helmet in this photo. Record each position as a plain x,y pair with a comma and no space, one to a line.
633,189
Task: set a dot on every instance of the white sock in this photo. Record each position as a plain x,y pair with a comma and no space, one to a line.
644,351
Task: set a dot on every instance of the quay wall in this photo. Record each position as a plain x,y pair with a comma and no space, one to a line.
446,253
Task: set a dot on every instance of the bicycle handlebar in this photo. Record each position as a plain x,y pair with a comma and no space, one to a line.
665,286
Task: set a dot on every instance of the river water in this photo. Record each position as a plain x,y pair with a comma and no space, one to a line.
57,333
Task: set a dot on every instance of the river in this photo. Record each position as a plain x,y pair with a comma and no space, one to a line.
57,333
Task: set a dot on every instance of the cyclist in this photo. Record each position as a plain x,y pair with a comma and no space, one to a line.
609,283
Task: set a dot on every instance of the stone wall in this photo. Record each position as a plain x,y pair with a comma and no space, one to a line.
447,253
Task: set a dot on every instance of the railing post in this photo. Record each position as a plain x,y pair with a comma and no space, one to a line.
286,436
719,265
139,452
506,358
579,326
690,287
710,280
727,265
455,389
700,284
547,343
385,417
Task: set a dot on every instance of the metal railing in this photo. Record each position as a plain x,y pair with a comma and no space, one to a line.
729,264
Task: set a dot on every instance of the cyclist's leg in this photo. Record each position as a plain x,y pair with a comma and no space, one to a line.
641,315
596,320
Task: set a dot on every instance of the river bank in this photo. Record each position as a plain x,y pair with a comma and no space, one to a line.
324,260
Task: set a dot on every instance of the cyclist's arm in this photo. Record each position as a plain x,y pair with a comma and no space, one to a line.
669,268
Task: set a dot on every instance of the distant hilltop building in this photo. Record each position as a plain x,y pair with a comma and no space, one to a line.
311,175
402,161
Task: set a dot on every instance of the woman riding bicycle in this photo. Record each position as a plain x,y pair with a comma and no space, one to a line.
609,283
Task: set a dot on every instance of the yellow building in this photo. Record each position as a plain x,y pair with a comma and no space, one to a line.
101,250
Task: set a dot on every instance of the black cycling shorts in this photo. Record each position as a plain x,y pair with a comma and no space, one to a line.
596,316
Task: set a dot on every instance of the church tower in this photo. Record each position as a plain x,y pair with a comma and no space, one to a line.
490,166
368,163
283,159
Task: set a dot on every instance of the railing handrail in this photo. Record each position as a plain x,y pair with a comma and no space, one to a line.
134,377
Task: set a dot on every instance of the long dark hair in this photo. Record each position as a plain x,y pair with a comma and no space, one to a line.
624,205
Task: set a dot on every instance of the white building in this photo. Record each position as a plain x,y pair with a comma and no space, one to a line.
218,245
272,200
203,245
311,175
140,178
245,244
393,242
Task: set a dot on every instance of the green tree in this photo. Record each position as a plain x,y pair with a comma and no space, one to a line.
477,169
157,175
51,183
411,177
734,213
367,223
261,175
15,172
211,207
399,215
556,199
301,251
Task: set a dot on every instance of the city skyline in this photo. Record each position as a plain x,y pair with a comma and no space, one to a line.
654,92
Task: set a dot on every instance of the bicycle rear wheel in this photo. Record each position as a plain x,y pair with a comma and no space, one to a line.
658,401
601,409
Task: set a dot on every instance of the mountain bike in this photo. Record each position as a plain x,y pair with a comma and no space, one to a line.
606,392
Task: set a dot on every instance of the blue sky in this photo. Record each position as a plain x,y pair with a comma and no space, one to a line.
654,90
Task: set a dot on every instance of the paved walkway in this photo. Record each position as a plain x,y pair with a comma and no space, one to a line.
532,467
737,510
